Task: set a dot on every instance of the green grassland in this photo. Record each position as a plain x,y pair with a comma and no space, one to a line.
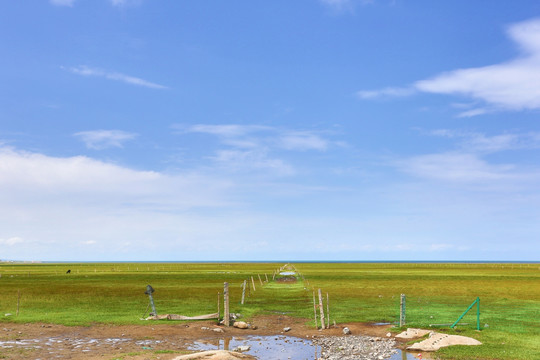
113,293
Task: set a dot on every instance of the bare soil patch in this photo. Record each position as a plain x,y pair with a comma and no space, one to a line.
162,340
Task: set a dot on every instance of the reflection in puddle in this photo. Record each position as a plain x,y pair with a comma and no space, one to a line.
277,347
265,347
287,273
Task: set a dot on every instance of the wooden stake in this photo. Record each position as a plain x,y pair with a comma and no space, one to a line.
266,277
315,310
18,300
226,316
260,279
321,309
402,311
253,283
243,292
327,312
218,306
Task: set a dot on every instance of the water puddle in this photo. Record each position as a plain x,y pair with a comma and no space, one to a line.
265,347
287,273
277,347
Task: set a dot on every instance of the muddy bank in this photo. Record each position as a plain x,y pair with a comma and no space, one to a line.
154,340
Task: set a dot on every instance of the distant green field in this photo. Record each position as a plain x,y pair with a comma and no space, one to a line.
368,292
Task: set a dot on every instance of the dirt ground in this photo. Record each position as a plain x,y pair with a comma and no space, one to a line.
162,340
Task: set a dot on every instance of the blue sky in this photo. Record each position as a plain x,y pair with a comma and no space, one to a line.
269,130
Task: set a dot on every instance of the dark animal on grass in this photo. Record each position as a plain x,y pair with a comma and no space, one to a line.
68,272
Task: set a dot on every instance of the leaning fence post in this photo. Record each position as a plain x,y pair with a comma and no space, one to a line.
149,291
402,311
321,309
243,291
260,279
253,283
226,317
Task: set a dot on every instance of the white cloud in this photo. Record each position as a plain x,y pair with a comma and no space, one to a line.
255,146
122,3
89,180
345,4
252,159
456,167
470,161
11,241
89,71
512,85
227,130
386,92
102,139
478,142
62,2
302,141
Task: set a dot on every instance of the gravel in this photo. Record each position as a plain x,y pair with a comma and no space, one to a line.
355,347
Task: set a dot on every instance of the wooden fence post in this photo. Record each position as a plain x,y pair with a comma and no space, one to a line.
243,291
260,279
315,310
226,316
402,311
266,277
321,309
327,312
18,301
253,283
218,306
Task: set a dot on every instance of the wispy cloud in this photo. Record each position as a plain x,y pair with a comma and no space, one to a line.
121,3
227,130
11,241
102,139
245,147
116,76
258,135
513,85
341,5
62,2
386,92
469,161
302,141
478,142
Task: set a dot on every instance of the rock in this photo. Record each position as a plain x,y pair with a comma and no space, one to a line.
218,330
242,348
438,340
413,333
235,316
286,329
254,327
215,355
388,334
240,325
346,331
353,347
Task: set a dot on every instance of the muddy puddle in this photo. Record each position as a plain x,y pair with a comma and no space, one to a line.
277,347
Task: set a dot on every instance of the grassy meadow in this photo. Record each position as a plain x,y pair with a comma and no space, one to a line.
436,294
